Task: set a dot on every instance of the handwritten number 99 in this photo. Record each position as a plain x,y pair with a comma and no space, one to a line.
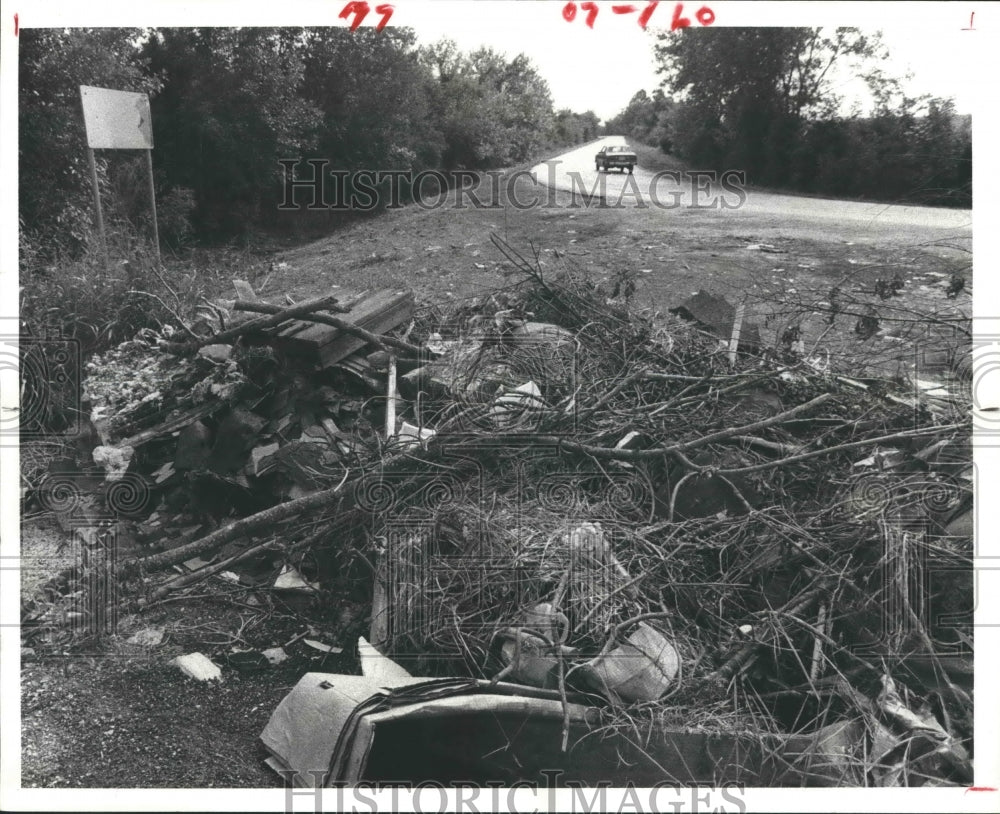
360,10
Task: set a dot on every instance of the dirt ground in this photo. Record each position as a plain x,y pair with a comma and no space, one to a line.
116,714
779,254
122,717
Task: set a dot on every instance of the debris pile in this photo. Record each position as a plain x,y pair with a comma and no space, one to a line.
620,515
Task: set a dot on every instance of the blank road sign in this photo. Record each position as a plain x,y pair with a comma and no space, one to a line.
116,119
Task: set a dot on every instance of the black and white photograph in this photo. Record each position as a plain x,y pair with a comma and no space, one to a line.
499,406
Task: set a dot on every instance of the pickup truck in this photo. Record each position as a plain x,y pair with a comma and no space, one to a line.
615,155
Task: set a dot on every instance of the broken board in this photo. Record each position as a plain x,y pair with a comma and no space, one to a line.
325,345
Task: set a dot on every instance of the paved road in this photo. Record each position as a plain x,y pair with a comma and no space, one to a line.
821,218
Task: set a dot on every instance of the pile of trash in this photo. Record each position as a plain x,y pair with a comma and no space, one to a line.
636,530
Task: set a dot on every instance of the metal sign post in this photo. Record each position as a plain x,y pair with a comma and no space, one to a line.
118,120
97,203
152,203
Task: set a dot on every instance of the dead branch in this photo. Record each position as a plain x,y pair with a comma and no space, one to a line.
253,325
208,570
746,654
899,436
205,572
774,446
239,528
381,341
657,452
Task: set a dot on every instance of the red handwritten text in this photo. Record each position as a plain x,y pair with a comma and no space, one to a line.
569,12
704,15
359,9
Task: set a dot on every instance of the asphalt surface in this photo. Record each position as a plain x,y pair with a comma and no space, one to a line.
574,171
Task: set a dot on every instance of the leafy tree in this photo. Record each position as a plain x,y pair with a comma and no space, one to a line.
230,109
55,198
646,118
763,100
230,103
569,127
374,96
491,111
747,91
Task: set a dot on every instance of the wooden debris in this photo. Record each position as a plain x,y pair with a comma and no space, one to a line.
193,446
253,325
244,291
195,564
359,366
734,339
176,422
164,473
390,400
326,344
291,580
259,457
236,433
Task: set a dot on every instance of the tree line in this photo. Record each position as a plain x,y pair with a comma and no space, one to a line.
229,103
763,100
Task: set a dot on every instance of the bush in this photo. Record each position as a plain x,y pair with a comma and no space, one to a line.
81,297
174,214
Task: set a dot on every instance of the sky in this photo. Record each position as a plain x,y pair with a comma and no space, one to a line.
601,69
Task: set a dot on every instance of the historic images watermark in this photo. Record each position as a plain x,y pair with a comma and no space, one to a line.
553,794
310,184
46,373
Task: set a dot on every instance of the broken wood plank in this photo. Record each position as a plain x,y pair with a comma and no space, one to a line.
734,340
177,422
390,401
325,345
244,291
348,343
379,340
254,325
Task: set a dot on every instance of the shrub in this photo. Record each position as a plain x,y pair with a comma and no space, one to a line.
82,297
